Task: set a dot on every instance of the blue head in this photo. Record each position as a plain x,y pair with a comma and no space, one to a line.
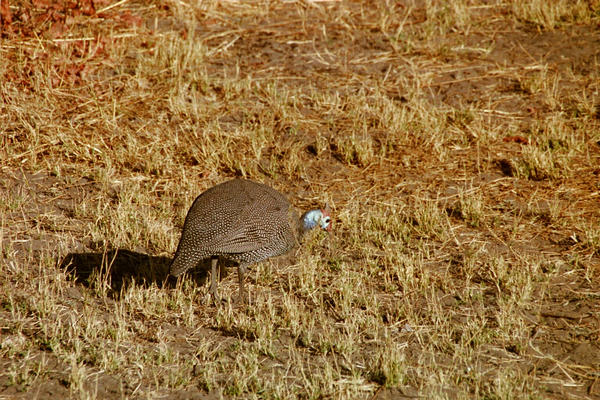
313,218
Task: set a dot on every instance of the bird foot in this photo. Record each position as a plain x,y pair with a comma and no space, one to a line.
214,297
241,299
216,300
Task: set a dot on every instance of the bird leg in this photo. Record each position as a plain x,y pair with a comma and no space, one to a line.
241,271
213,279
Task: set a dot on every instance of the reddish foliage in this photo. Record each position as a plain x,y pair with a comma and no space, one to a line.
34,18
73,73
5,17
56,30
130,19
67,61
5,14
86,7
41,3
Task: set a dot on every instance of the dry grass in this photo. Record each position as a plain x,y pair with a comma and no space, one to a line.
457,144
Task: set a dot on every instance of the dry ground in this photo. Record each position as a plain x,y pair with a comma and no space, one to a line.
458,143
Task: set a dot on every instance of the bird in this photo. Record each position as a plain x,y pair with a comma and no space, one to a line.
245,222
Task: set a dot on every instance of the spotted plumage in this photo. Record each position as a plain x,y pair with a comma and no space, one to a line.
242,221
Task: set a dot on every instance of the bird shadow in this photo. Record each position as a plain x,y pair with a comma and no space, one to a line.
120,268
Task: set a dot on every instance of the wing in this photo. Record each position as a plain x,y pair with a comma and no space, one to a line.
261,224
235,217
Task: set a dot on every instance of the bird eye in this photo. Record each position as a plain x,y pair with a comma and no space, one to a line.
327,220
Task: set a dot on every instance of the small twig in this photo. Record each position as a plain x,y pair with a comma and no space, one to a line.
117,4
376,393
223,47
558,314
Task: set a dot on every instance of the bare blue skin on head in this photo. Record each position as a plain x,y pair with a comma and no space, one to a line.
313,218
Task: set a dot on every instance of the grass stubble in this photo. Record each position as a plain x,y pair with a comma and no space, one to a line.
464,257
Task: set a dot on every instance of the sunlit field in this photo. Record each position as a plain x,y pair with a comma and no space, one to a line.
457,143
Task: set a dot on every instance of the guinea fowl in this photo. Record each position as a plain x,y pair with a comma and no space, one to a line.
242,221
